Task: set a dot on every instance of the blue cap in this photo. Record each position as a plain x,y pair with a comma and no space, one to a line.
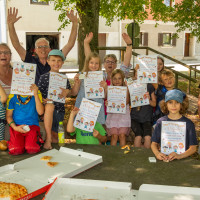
176,95
56,52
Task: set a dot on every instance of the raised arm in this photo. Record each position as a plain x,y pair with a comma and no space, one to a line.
128,53
11,20
87,41
72,38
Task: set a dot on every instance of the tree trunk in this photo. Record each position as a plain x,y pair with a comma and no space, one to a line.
89,22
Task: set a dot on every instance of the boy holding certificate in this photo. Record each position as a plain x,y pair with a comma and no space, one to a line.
174,132
85,137
54,111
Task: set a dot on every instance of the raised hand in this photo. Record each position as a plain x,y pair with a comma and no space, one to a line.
72,17
88,37
12,15
126,38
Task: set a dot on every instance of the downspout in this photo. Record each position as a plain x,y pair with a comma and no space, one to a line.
3,32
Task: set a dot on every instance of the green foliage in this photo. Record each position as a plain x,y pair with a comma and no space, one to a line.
185,14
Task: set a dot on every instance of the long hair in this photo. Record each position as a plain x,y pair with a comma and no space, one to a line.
118,71
87,60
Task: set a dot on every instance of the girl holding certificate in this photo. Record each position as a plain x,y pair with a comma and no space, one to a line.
92,64
118,124
174,131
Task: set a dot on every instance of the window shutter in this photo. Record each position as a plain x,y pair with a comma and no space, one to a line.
173,41
145,39
160,39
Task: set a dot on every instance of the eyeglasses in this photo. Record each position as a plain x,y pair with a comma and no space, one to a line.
44,46
110,62
5,52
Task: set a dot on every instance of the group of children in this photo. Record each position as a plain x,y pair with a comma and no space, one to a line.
164,101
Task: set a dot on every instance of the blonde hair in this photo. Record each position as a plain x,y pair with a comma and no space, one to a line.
110,56
5,45
118,71
41,39
184,106
87,60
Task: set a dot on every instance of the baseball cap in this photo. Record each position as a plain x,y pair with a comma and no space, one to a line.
56,52
176,95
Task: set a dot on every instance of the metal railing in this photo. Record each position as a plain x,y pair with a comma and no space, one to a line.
177,73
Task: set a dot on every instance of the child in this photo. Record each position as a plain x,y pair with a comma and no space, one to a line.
21,111
84,137
118,125
141,119
92,63
3,99
175,106
54,111
167,83
110,60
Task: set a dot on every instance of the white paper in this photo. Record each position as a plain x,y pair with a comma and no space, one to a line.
116,99
147,72
56,81
23,77
173,135
92,85
138,94
87,115
82,189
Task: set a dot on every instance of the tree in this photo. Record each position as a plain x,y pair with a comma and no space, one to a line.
90,10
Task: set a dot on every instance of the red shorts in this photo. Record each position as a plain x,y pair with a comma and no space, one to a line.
19,142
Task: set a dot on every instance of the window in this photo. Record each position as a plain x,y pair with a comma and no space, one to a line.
166,39
143,39
39,2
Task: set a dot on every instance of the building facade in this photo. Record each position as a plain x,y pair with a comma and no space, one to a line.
40,19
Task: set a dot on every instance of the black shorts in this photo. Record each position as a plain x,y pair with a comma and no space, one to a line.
57,117
141,129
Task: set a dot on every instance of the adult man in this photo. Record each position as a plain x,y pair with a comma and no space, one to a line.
42,47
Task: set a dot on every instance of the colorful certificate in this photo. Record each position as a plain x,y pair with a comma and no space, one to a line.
173,136
23,77
92,85
117,99
56,81
87,115
138,94
147,72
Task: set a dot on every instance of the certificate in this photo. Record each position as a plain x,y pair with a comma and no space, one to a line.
92,85
23,77
56,81
173,136
147,72
138,94
87,115
117,99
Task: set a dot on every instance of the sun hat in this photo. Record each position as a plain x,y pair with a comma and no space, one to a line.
175,94
56,52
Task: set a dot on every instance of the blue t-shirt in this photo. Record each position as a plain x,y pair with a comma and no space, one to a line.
191,138
23,114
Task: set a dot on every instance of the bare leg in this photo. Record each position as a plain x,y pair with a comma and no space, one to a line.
147,142
122,139
114,139
138,141
48,120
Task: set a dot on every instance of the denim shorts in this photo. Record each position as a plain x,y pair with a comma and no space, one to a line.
57,117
